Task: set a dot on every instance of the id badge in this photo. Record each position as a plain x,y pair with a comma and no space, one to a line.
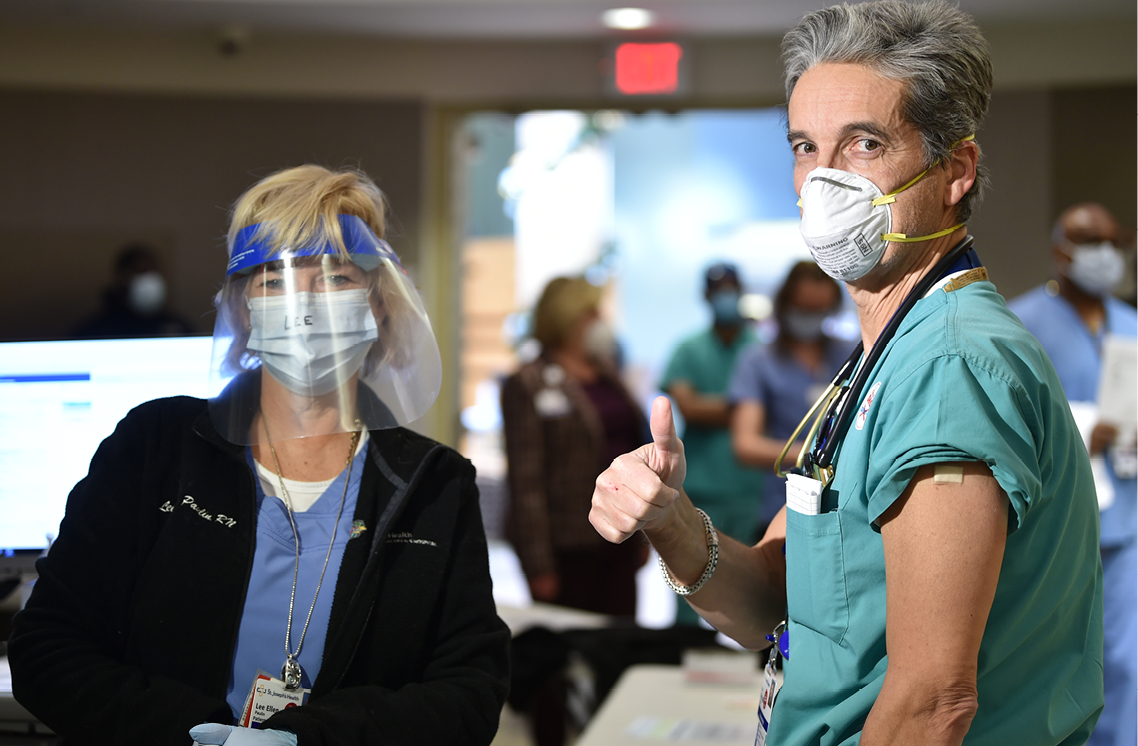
551,403
267,697
766,702
770,682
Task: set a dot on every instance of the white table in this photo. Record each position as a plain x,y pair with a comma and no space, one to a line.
556,618
652,704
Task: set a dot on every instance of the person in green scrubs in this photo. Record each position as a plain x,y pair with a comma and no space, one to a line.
941,581
696,379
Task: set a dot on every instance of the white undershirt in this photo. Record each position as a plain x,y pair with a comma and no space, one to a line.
302,495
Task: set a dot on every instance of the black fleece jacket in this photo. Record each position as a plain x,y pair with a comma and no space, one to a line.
128,636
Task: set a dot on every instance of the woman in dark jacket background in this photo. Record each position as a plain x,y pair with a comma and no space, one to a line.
566,415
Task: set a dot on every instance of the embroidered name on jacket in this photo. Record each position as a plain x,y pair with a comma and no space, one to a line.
189,502
405,537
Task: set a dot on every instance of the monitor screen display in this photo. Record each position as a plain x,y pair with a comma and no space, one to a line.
59,400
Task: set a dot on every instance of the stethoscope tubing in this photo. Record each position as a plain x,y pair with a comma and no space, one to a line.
820,458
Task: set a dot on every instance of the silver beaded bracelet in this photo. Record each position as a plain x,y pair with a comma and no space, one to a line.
712,561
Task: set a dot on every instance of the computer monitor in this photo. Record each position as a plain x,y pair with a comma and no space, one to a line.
58,401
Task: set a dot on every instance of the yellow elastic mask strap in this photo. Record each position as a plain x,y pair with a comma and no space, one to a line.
886,199
902,238
892,196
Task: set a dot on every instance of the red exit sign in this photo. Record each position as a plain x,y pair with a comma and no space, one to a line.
648,69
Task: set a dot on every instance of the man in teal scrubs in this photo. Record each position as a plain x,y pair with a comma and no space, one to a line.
696,378
941,579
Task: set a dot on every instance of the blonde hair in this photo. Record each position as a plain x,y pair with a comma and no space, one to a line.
564,300
299,208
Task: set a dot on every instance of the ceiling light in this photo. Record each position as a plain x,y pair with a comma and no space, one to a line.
628,19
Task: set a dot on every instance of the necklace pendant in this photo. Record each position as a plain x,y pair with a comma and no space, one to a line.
291,673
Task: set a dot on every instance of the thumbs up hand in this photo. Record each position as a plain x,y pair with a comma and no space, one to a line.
638,489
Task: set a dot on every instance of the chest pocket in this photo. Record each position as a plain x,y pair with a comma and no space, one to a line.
815,573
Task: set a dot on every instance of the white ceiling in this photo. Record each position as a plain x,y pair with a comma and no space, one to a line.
506,19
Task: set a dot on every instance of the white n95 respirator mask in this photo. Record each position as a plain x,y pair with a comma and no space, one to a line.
847,222
312,343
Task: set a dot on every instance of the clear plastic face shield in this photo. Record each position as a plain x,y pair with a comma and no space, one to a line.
319,342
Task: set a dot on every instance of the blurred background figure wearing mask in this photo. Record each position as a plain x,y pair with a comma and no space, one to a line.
286,542
1071,316
696,379
566,415
773,386
134,305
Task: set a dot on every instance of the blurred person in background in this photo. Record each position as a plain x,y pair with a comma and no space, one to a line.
773,386
696,379
566,415
134,305
1071,315
283,564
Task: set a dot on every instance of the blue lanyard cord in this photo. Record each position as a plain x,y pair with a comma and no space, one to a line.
827,428
961,257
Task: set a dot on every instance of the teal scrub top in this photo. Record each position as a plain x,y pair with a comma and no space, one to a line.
962,380
730,492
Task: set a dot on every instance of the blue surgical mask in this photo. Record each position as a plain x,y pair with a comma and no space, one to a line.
312,342
600,342
147,293
1096,268
725,306
804,325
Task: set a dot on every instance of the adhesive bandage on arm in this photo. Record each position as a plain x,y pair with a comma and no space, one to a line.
948,474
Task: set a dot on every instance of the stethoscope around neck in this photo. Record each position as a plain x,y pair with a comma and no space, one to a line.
832,412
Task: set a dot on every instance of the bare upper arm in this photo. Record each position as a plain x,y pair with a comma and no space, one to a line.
748,418
944,545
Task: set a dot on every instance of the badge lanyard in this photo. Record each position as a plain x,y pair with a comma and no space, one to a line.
833,409
291,671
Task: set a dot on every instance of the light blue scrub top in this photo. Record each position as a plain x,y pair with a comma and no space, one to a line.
1077,356
961,381
786,390
261,636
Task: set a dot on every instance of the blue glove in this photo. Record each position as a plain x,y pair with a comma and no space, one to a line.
215,734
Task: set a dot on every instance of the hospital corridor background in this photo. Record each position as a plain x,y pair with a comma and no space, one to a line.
515,145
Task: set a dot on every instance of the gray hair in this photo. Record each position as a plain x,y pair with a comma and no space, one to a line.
933,47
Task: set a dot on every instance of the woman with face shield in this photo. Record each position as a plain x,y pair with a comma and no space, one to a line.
285,563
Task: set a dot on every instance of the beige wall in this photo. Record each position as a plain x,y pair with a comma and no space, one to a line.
1046,150
1012,223
81,173
1094,147
453,71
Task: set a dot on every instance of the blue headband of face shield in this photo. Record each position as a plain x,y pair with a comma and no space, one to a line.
365,248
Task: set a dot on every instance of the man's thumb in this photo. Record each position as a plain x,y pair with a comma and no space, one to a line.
663,427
